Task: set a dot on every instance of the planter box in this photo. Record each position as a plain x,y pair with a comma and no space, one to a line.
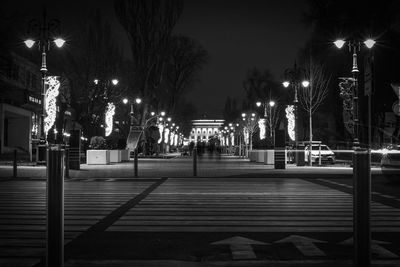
115,156
125,155
269,156
98,157
260,156
252,155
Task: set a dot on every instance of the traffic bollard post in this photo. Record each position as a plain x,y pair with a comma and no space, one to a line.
362,207
55,208
66,163
135,162
15,164
194,161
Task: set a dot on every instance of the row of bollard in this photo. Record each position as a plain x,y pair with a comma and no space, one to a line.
55,204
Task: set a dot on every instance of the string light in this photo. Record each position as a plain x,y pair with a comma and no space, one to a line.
171,139
176,140
110,111
161,130
51,102
291,122
166,134
261,126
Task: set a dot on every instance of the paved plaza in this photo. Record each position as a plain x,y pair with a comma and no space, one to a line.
235,213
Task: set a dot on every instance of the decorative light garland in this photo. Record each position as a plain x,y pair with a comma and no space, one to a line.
261,126
176,140
171,138
161,130
166,134
291,121
51,102
110,111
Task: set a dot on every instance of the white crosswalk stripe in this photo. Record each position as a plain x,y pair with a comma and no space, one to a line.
252,205
23,213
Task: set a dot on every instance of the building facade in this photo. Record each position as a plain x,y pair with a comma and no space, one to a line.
20,103
204,129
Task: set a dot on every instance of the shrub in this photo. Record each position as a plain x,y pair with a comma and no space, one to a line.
98,142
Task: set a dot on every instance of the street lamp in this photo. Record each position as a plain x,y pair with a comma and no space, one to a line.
43,32
137,101
296,79
361,166
294,76
354,46
270,104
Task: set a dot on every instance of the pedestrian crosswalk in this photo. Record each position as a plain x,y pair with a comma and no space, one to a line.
250,205
23,213
176,205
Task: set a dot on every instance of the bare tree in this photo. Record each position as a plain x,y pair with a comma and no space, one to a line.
149,25
249,128
313,96
95,55
185,59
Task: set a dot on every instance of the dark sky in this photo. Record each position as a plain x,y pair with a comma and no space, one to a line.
238,34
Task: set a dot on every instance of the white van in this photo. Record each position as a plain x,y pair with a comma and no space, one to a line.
317,151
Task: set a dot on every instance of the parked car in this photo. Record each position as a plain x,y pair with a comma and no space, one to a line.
390,163
317,151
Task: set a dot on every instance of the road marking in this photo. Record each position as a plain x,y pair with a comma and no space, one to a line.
304,244
376,248
241,247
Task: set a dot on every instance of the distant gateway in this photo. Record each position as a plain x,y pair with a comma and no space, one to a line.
203,129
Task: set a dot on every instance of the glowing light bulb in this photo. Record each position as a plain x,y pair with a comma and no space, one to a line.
29,43
339,43
59,42
369,43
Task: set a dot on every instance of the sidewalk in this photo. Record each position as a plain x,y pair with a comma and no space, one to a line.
183,167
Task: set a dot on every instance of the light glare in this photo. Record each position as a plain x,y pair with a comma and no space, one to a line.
286,84
114,81
258,104
29,43
369,43
305,83
339,43
59,42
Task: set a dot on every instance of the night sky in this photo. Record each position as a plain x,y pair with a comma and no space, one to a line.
238,34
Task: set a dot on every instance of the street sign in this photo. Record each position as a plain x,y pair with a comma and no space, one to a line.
396,107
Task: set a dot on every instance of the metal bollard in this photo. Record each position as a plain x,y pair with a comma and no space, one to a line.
15,164
135,162
362,207
194,161
66,163
55,208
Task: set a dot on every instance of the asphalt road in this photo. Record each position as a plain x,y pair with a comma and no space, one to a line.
226,217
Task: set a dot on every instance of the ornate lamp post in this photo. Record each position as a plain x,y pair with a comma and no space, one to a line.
295,79
131,140
268,106
361,166
41,33
354,47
